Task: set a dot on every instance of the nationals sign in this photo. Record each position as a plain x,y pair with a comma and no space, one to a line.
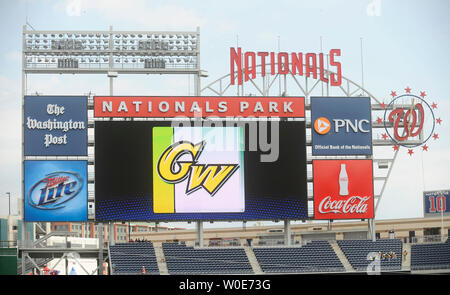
204,106
343,189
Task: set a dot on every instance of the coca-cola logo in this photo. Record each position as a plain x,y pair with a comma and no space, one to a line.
352,205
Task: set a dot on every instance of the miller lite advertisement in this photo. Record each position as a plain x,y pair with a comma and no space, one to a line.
55,191
343,189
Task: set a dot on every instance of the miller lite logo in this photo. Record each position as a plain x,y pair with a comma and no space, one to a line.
55,190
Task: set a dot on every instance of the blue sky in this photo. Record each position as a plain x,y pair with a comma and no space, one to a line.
405,43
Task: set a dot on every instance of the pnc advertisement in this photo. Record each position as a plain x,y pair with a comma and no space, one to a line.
55,191
341,126
242,170
55,126
343,189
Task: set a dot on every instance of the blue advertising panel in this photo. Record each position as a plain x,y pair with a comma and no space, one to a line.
55,125
436,203
341,126
55,191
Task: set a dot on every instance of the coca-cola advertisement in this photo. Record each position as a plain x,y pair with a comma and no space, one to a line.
343,189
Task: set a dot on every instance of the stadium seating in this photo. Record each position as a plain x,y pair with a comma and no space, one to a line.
357,253
130,258
181,259
430,256
315,256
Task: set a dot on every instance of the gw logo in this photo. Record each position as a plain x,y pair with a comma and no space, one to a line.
322,125
357,126
173,170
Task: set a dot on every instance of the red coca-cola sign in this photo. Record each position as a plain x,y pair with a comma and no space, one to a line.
343,189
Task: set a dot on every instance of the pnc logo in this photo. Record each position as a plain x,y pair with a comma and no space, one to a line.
322,125
172,169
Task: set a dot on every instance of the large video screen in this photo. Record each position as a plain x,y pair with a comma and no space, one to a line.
241,170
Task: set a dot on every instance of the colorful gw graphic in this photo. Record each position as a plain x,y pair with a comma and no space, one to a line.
410,121
193,171
55,190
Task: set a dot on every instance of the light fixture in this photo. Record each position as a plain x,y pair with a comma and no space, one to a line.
89,47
